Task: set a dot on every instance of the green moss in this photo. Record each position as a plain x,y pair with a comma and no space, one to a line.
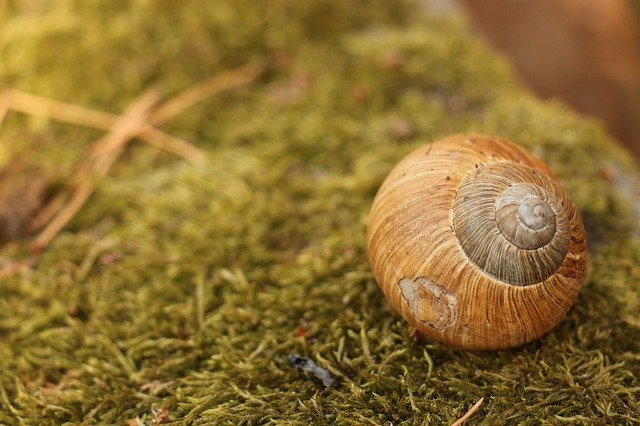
181,288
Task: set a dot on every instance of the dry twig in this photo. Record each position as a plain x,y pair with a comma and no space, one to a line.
227,80
469,413
5,102
61,111
74,114
112,144
138,121
48,211
26,103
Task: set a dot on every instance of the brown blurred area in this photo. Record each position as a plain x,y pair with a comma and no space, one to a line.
584,52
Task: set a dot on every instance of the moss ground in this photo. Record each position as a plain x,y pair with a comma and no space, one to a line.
178,292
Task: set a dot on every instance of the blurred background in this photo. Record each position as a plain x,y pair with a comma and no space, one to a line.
585,53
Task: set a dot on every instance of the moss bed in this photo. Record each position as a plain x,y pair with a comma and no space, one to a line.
178,292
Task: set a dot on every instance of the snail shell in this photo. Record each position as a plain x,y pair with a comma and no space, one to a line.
475,243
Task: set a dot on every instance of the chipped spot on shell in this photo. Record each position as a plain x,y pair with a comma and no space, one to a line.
430,303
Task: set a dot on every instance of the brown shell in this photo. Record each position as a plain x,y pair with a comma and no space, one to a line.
475,243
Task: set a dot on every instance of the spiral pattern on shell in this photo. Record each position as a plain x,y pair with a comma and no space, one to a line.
509,225
475,242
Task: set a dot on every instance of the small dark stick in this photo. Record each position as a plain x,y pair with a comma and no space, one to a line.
305,364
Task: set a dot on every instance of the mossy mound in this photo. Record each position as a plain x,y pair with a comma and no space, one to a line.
179,291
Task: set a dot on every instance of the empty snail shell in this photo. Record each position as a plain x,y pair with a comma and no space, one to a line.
476,244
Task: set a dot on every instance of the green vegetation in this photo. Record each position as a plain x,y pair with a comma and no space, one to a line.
179,291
